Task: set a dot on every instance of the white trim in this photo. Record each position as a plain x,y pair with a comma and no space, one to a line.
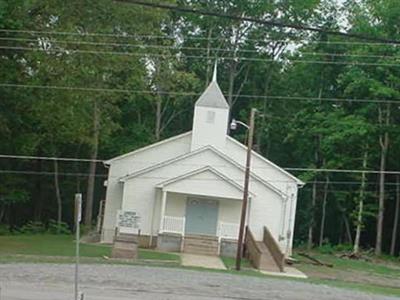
199,171
205,148
171,139
298,181
163,207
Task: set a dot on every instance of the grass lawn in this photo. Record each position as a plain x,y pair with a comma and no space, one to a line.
20,246
230,263
379,275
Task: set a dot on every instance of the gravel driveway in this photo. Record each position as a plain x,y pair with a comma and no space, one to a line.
112,282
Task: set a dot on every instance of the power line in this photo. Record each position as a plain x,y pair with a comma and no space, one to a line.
27,157
197,48
242,58
24,157
49,173
192,94
177,37
344,171
257,21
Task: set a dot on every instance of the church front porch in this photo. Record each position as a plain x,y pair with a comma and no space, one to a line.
199,224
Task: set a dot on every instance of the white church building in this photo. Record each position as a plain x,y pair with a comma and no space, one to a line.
187,191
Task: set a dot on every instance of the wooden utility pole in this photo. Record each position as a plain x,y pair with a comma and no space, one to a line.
246,190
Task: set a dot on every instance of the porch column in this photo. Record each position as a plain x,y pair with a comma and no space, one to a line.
163,205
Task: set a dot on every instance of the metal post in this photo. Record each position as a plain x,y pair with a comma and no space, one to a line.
78,217
246,190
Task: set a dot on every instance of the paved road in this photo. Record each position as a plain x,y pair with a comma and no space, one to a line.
112,282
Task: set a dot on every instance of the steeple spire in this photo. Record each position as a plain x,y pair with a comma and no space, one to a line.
214,78
210,120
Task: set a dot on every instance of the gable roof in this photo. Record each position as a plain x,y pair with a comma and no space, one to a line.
168,140
199,171
193,153
298,181
212,97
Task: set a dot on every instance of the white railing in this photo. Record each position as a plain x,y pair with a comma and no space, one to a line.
228,230
173,224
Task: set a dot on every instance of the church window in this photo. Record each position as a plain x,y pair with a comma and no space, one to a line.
210,116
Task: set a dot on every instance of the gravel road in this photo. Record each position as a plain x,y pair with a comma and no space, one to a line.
112,282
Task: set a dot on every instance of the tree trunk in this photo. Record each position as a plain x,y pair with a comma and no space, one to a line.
158,118
314,199
396,217
321,233
311,225
92,166
356,248
348,231
384,143
38,207
58,196
2,213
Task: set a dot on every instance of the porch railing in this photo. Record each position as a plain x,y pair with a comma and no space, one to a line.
228,230
174,225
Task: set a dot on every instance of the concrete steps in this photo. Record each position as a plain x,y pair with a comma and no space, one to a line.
200,244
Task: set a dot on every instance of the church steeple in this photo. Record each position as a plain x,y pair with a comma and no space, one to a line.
210,121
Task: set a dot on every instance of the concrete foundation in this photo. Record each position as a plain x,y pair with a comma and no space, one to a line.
228,248
169,242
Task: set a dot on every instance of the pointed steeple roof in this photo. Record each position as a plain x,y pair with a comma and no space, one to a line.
212,96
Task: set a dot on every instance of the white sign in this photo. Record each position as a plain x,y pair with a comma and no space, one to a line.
128,220
78,207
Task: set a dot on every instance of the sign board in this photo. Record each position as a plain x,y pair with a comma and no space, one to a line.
78,208
128,221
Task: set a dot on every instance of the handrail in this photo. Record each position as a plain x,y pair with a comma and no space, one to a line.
173,224
227,230
274,248
253,252
250,238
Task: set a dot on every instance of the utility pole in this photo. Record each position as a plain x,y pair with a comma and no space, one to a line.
246,189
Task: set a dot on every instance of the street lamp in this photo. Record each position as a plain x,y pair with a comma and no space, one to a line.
250,128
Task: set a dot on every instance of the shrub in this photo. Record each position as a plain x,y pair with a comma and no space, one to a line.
33,227
55,228
4,229
343,248
326,249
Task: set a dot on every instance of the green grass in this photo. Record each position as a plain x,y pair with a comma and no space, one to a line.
49,245
376,267
230,263
379,276
26,246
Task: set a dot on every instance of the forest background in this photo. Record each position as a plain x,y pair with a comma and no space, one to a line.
96,79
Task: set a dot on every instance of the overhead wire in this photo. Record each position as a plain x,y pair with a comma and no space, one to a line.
243,18
244,96
68,159
180,48
188,37
105,176
181,55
